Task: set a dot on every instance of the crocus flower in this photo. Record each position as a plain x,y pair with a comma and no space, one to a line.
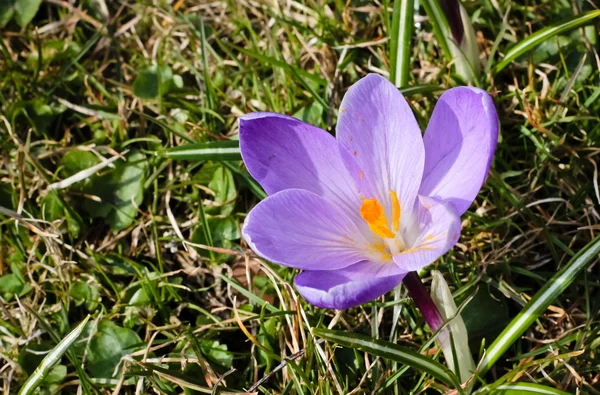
358,212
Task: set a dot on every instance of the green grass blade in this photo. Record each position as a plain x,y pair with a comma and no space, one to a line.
543,35
166,127
497,41
420,89
177,378
210,100
56,337
224,151
400,40
390,351
252,297
539,303
523,389
293,70
247,178
228,150
51,359
64,70
297,73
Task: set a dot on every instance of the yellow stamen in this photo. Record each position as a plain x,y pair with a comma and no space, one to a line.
379,249
396,210
372,212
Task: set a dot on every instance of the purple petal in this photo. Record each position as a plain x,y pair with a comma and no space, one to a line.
459,145
437,228
300,229
282,152
348,287
380,141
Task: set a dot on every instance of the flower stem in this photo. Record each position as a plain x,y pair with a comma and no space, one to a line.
423,300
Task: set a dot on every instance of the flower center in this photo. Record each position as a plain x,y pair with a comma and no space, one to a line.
373,214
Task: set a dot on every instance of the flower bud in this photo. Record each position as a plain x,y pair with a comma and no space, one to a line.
455,332
464,42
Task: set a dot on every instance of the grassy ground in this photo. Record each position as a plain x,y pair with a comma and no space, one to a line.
90,81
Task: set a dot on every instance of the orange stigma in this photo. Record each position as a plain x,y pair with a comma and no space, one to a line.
372,212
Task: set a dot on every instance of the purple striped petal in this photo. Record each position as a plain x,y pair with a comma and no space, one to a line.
282,152
348,287
381,142
437,228
300,229
459,145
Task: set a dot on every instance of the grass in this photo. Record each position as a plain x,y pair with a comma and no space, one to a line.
148,243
